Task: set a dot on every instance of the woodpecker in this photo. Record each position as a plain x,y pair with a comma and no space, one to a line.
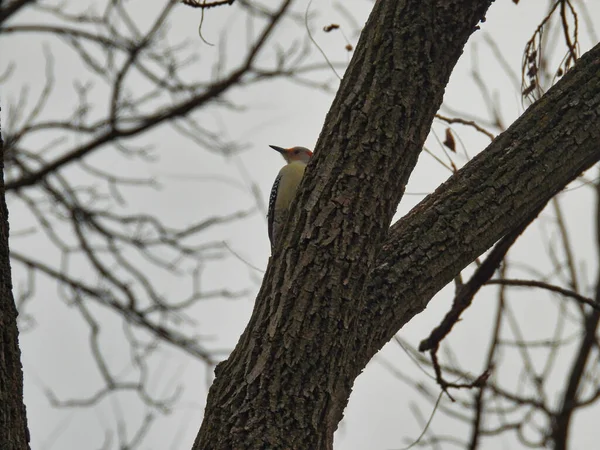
284,188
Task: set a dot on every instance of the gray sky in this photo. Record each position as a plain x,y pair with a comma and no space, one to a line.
379,415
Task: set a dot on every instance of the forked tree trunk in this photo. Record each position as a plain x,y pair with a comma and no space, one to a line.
342,282
288,380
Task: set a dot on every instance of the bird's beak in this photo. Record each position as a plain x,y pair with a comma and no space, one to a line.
281,150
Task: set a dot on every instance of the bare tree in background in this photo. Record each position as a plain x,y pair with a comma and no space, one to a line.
282,387
70,174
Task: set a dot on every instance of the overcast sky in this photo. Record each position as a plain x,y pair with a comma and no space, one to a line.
380,414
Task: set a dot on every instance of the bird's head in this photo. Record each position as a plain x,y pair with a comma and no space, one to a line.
294,153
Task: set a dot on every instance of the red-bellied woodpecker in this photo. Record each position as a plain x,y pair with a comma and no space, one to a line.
284,188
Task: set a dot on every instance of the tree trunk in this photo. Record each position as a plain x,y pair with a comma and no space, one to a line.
14,434
288,380
333,295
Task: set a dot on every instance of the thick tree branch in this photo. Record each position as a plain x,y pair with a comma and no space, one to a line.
551,144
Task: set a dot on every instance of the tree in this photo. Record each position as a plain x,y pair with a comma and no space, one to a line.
74,163
344,282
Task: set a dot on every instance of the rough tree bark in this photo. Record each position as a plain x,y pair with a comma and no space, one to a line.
14,434
343,282
546,148
288,380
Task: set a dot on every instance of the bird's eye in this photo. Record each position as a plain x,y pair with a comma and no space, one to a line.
296,152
